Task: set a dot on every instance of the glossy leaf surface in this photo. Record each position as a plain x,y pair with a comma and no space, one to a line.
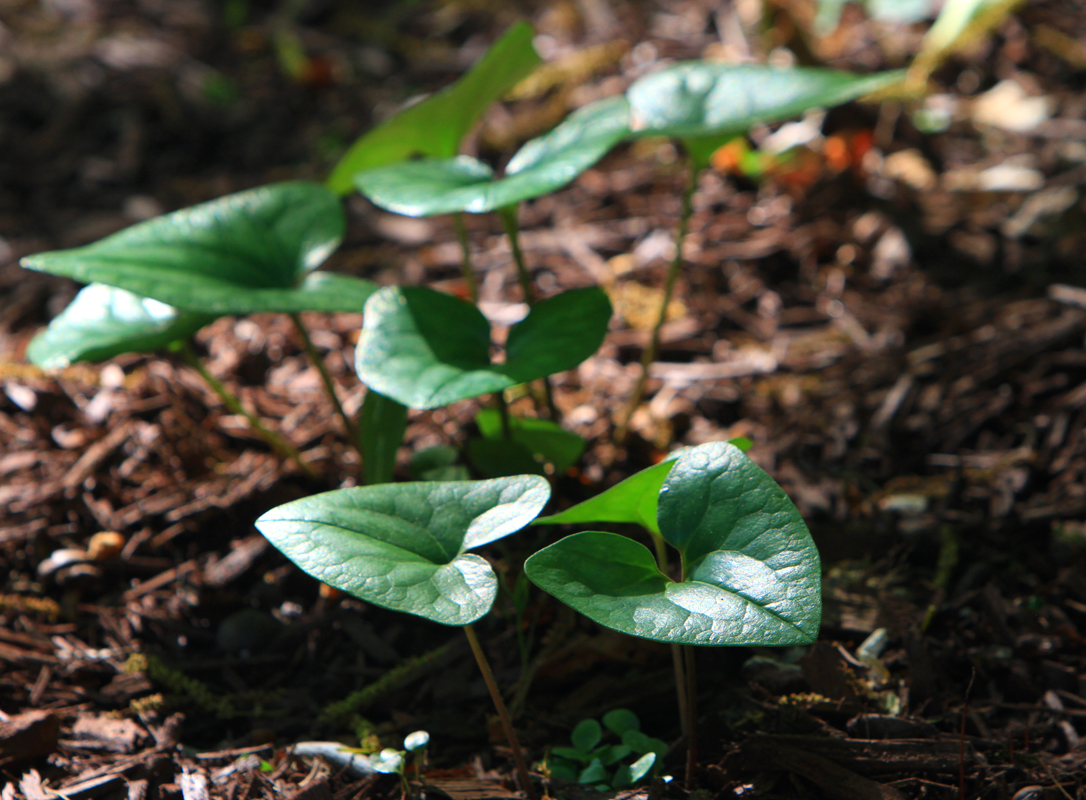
543,165
706,98
752,569
426,349
243,253
404,546
544,438
435,126
632,500
103,321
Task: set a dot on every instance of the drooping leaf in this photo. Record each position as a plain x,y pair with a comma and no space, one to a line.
707,98
240,254
426,349
404,546
384,422
752,570
435,126
103,321
495,458
445,186
542,437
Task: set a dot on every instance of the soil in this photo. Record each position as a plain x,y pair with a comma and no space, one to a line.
902,343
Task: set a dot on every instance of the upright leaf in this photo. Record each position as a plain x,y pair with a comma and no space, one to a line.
632,500
445,186
102,322
384,422
243,253
706,98
752,573
426,349
435,126
404,546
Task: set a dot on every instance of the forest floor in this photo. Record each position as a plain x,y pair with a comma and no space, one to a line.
891,318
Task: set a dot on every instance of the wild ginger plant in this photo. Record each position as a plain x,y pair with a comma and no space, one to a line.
748,573
405,547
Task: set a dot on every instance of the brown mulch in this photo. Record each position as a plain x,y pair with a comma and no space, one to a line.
907,364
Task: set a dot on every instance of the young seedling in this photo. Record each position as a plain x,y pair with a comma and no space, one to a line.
241,254
426,349
405,547
589,760
703,104
749,570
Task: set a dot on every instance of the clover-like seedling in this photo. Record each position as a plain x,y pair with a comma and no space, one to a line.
426,349
104,321
426,187
750,569
244,253
435,126
591,761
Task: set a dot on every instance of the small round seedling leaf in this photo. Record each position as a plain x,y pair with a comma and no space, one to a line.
586,735
609,755
620,720
753,572
403,546
243,253
388,762
448,185
542,437
426,349
103,321
594,773
438,463
706,98
416,741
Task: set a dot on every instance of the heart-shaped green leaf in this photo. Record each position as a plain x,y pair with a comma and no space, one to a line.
243,253
706,98
752,570
426,349
435,126
544,438
445,186
103,321
404,546
620,720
